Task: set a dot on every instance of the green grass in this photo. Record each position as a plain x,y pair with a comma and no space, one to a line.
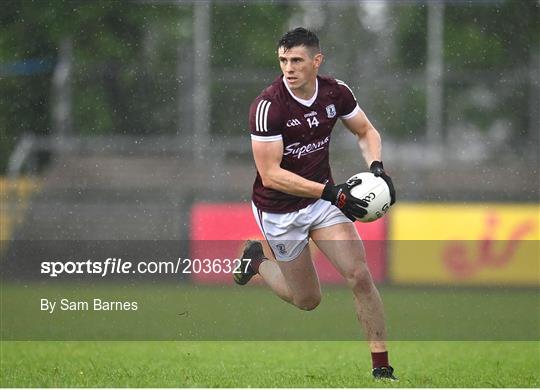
224,338
168,312
265,364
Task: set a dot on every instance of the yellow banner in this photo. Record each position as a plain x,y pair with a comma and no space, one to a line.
474,244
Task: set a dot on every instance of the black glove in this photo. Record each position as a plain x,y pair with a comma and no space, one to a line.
340,196
377,169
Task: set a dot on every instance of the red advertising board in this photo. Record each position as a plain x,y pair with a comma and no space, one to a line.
218,231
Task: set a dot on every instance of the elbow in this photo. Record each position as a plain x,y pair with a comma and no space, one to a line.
368,132
368,136
267,182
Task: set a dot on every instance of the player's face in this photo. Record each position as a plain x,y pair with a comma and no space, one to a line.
299,67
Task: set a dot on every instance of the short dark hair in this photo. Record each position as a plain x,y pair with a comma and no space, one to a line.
300,37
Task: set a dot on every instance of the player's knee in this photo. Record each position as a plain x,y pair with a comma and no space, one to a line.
309,302
360,280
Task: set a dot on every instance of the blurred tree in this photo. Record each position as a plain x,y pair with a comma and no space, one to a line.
132,62
244,59
247,35
477,36
488,49
112,86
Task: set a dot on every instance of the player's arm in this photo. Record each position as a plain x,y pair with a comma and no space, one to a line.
369,141
268,157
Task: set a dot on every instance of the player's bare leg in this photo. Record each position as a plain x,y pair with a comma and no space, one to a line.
301,280
294,281
273,277
343,247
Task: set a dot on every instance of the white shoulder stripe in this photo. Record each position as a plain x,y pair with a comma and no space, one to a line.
266,139
256,116
265,117
261,115
257,126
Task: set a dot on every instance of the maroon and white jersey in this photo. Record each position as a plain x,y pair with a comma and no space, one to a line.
304,126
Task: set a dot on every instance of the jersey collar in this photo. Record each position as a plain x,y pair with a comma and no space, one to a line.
304,102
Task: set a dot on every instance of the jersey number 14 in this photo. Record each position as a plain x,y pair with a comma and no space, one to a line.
312,122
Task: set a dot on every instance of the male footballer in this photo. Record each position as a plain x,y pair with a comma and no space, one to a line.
294,196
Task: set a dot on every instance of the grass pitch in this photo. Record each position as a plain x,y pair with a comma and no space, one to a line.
183,312
247,320
265,364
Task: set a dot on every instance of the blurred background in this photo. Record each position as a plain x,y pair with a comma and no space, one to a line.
127,120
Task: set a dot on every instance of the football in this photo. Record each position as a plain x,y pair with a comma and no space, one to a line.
374,191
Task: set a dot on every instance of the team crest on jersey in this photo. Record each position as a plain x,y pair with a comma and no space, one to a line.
331,111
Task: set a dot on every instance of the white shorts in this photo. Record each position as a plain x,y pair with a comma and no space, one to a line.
288,234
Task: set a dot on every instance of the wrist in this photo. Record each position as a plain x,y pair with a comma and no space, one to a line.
376,165
328,192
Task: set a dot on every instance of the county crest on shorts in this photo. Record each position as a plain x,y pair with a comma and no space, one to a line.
330,111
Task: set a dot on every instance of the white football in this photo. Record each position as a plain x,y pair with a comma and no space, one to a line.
374,191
